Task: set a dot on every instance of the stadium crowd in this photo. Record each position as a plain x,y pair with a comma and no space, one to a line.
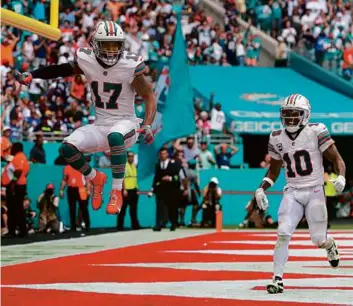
209,43
321,30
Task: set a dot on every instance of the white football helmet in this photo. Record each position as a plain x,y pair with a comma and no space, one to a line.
108,42
295,112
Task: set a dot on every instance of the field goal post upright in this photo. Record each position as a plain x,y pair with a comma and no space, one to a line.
50,31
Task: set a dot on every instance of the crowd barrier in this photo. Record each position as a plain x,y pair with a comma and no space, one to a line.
238,186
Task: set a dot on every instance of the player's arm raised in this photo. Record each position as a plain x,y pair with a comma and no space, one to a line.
48,72
332,154
144,89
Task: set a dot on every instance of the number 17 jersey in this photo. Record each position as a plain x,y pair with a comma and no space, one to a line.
111,89
301,156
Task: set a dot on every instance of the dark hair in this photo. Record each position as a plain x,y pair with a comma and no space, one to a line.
162,149
16,148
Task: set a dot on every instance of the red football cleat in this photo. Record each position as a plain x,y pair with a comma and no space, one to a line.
115,202
98,184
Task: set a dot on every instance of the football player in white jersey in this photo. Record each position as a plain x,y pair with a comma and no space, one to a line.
115,76
299,146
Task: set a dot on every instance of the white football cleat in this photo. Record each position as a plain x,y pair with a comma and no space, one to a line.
276,286
333,255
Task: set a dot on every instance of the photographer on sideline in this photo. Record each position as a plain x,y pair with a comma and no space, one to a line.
211,203
47,204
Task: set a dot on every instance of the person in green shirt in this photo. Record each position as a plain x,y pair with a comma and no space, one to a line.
276,16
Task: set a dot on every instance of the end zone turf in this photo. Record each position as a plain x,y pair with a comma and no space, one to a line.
229,268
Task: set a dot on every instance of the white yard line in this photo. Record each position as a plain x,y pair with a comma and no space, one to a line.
24,253
38,251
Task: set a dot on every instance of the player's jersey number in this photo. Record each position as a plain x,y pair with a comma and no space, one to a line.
113,88
297,169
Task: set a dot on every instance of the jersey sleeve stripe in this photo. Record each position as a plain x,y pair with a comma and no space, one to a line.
272,150
129,134
140,69
324,140
323,134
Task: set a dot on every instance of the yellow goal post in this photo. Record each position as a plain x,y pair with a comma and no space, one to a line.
50,31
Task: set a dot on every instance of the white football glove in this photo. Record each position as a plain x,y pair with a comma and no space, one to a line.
339,183
261,199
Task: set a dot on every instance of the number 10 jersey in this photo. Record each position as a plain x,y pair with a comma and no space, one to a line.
302,156
111,89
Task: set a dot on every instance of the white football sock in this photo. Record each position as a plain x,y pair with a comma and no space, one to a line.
117,184
92,174
327,244
280,255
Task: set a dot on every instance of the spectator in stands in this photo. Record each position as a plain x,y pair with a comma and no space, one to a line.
179,156
104,160
14,178
78,88
30,215
212,194
10,81
48,204
203,124
4,70
224,153
40,51
7,104
191,150
74,114
218,119
37,155
240,51
277,16
321,46
36,89
281,53
16,131
28,49
5,144
289,34
8,43
206,159
266,162
348,61
77,191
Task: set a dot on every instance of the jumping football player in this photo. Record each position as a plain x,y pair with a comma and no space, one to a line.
115,76
300,146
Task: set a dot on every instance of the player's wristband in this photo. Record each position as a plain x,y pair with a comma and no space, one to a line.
268,180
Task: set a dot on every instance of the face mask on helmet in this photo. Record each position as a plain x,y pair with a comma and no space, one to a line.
292,119
108,51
